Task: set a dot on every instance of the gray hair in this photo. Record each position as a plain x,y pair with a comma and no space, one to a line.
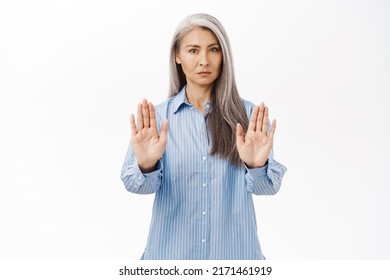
226,105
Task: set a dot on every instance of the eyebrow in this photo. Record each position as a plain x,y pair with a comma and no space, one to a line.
197,46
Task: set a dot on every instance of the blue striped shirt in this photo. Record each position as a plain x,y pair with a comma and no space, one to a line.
203,207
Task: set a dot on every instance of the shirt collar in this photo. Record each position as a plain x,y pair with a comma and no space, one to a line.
181,98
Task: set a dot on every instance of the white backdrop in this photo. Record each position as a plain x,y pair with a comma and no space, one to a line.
71,72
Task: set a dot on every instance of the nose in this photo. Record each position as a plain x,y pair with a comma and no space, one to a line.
203,59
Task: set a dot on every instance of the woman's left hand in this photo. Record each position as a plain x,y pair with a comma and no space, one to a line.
255,146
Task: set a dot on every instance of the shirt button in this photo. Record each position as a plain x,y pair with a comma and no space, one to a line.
204,185
204,213
139,178
203,241
204,158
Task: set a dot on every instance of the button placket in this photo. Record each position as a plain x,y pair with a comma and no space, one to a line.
205,192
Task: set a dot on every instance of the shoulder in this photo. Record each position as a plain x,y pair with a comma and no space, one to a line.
163,105
171,101
248,106
172,104
166,107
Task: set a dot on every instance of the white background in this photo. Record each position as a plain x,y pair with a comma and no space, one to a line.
71,72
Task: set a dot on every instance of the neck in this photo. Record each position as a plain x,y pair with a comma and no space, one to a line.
198,96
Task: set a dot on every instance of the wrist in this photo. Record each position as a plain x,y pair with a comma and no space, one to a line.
257,165
145,168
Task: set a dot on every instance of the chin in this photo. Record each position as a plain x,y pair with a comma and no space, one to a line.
206,82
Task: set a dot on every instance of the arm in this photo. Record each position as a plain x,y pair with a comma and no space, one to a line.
265,180
137,182
264,174
142,168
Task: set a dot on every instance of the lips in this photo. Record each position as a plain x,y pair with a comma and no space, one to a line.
204,73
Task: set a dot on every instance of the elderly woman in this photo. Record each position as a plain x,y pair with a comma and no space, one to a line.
192,152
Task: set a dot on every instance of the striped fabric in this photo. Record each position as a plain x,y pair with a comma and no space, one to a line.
203,207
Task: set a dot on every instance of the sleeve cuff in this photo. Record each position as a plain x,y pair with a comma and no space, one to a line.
266,179
140,177
256,173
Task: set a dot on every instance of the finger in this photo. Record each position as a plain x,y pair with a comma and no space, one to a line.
259,121
272,130
164,132
252,121
264,129
240,139
140,122
145,112
132,125
152,116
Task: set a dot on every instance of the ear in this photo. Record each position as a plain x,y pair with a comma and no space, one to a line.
178,58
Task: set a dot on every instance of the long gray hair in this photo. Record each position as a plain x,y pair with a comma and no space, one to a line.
227,108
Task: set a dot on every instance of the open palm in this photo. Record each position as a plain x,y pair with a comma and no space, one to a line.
147,144
255,146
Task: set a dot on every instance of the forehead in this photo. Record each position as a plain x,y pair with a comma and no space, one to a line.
199,36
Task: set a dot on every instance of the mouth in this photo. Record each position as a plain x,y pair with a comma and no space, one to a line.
204,73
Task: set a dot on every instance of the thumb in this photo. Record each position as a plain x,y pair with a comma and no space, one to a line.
239,135
164,132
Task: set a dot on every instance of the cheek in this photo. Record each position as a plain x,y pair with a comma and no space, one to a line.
188,63
219,63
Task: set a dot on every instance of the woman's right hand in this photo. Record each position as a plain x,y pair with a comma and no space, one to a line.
147,144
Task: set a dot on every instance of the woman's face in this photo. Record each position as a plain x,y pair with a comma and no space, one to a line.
200,56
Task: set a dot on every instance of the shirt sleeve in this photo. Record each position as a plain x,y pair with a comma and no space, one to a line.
265,180
137,182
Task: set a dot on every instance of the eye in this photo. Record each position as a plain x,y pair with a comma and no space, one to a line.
215,49
193,51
